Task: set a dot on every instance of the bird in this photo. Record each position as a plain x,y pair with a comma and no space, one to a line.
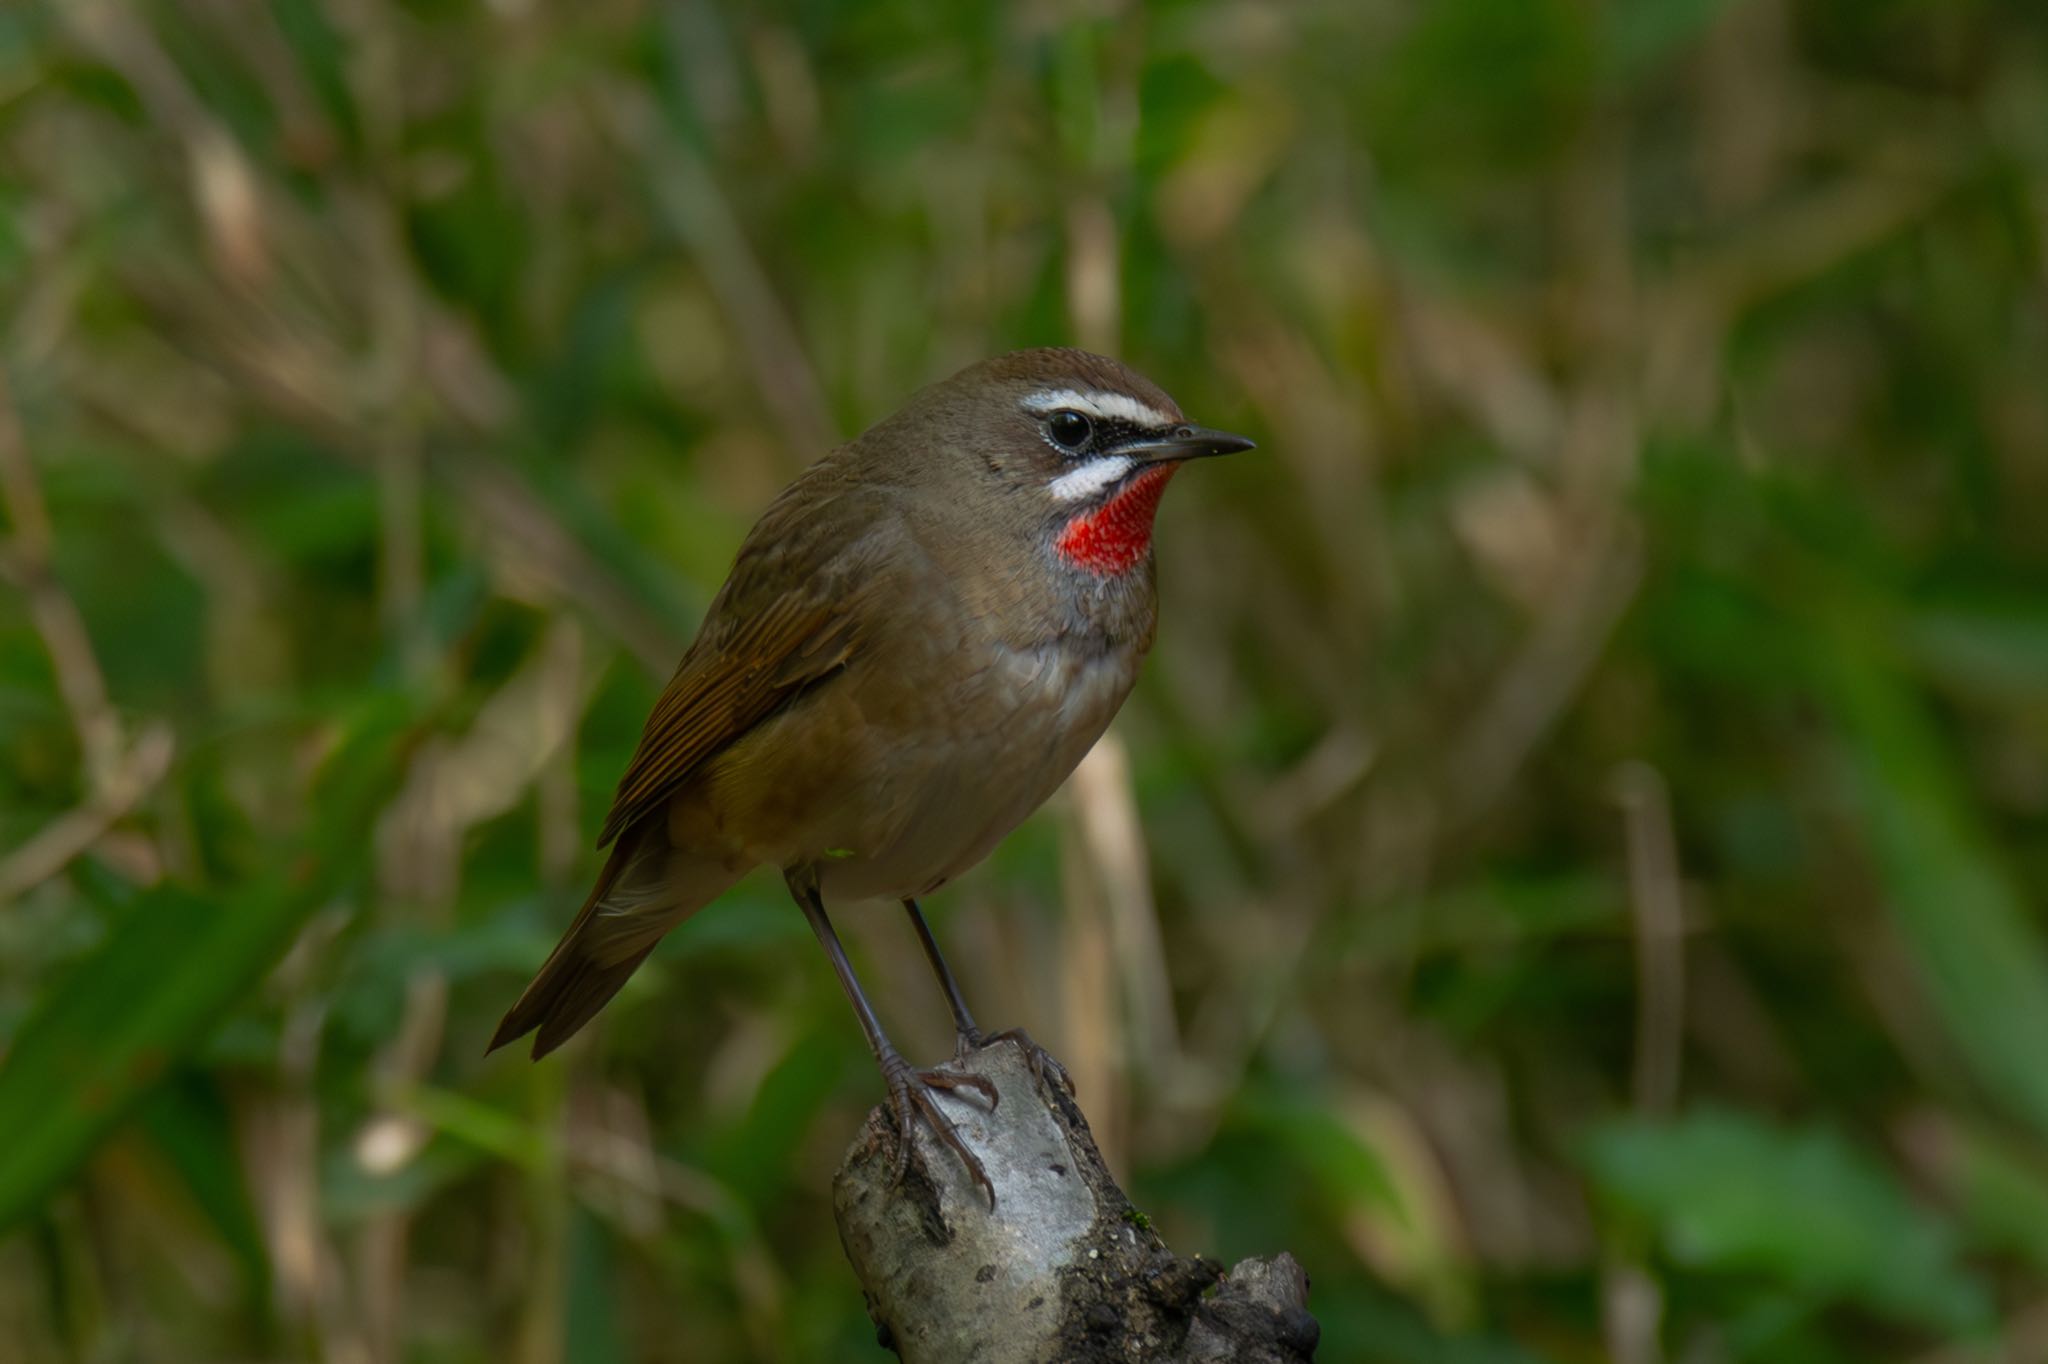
918,642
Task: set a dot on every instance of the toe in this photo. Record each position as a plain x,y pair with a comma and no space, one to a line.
910,1099
952,1079
1041,1061
942,1127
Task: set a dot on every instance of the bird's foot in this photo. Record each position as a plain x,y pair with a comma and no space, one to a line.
910,1098
1041,1061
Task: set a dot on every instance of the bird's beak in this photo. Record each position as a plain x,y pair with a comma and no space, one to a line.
1183,442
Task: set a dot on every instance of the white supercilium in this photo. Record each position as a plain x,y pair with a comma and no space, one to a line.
1107,406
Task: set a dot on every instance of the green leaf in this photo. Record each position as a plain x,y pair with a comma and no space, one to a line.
1989,645
107,1032
1978,957
188,1120
591,1311
1309,1131
1643,34
2003,1190
1731,1193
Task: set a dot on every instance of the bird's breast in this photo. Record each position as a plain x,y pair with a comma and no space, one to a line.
940,794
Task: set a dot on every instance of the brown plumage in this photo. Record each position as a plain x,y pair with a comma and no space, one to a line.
903,663
572,984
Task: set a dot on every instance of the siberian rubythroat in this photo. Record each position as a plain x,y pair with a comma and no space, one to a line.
919,640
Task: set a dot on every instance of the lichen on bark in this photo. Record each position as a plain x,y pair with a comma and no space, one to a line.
1064,1269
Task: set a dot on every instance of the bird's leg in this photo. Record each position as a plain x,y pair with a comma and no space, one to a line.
910,1089
968,1037
963,1021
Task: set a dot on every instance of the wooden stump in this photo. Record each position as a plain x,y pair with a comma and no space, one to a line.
1064,1269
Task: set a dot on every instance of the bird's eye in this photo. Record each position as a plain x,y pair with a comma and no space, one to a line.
1069,429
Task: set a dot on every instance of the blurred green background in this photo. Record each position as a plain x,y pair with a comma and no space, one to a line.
1572,872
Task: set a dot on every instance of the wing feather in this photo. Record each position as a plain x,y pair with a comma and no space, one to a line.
722,689
787,616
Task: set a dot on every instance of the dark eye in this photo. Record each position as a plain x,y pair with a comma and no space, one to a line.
1069,429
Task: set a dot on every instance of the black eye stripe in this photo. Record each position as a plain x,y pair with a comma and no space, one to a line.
1074,432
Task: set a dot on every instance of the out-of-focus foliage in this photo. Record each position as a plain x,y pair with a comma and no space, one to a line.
1593,778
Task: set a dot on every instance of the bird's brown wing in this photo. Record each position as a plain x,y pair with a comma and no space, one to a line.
787,618
724,687
748,660
783,621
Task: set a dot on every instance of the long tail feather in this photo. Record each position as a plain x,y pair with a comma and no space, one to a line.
641,894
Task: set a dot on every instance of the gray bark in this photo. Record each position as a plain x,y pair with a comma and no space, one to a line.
1064,1269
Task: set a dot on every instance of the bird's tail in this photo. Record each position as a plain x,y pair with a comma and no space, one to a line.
646,888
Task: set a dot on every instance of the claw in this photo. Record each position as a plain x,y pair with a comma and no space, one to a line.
910,1097
952,1079
1041,1061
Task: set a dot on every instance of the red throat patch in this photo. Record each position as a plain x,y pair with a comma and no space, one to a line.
1114,536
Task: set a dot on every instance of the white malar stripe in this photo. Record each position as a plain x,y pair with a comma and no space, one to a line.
1108,406
1091,478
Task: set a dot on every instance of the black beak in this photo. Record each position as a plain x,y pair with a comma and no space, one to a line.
1183,442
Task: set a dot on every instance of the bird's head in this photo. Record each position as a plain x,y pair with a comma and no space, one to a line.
1077,447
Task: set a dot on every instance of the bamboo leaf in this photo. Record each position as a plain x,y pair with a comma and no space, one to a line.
1978,956
104,1035
1731,1193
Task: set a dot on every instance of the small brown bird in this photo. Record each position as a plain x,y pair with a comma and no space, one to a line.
918,642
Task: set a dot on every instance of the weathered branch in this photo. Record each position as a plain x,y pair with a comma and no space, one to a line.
1064,1269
